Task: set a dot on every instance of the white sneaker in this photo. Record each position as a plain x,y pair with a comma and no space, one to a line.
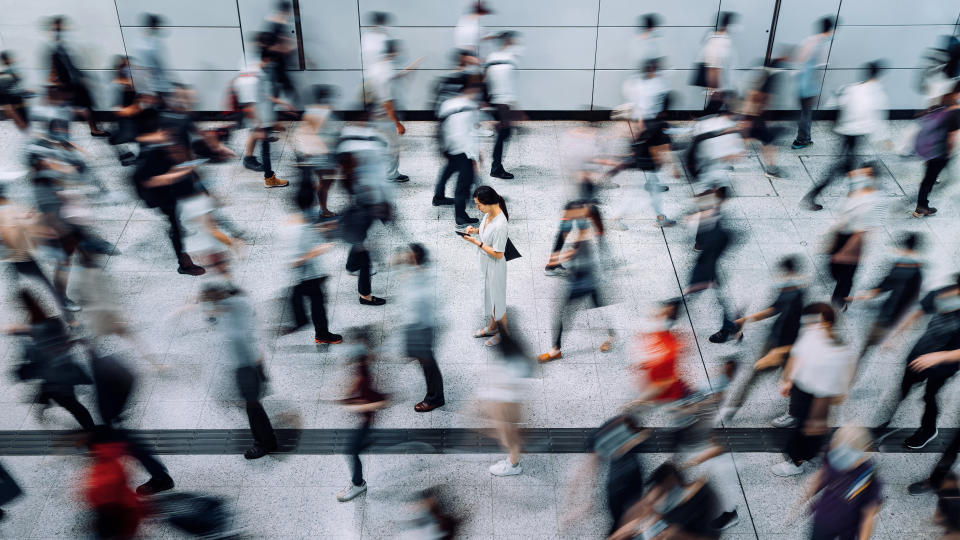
784,421
505,468
787,468
351,492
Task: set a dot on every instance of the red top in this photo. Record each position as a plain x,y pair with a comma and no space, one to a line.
661,350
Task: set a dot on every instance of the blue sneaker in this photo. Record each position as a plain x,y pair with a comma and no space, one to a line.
797,145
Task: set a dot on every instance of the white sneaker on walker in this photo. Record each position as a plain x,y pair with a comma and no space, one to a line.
505,468
787,468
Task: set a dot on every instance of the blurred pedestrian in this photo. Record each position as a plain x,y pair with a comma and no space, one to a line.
861,215
809,58
847,490
499,67
584,276
151,57
901,285
713,238
236,324
787,306
817,375
48,357
381,92
458,117
491,241
861,114
657,352
718,55
13,95
126,108
373,40
755,112
365,400
948,508
933,358
938,136
432,519
117,510
262,115
469,29
647,41
305,247
65,74
279,42
316,138
502,399
19,230
420,322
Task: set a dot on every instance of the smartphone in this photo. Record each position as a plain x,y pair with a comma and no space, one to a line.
461,233
193,162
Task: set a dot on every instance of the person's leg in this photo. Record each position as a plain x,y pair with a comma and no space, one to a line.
465,178
806,119
843,274
362,259
847,148
440,189
176,233
318,308
928,422
503,135
797,448
431,371
31,268
932,171
68,400
265,155
141,453
945,464
357,444
296,302
652,185
260,426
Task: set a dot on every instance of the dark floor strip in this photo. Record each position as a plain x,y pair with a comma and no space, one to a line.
415,441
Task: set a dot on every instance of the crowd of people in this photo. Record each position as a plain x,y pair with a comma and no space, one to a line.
155,135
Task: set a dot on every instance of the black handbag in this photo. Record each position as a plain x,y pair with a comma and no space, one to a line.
510,251
9,489
699,77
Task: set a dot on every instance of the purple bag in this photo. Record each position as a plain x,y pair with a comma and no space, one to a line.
932,139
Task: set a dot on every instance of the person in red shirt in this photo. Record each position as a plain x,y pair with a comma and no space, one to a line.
659,349
117,510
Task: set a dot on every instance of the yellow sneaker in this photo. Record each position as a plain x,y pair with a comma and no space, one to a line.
273,181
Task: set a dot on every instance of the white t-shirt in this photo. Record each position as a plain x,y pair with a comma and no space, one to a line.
500,65
373,45
466,36
459,118
194,213
645,95
820,366
724,145
862,109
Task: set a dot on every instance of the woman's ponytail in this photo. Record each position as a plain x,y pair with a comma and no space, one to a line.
503,206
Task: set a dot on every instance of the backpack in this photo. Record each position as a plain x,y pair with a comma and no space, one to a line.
932,137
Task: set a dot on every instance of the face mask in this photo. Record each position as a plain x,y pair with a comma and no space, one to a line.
843,458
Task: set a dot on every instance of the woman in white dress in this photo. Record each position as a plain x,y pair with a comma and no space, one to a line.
491,241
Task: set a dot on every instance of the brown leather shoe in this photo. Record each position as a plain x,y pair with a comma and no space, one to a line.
273,181
423,406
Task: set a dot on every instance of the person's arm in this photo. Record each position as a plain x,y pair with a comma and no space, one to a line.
758,316
392,113
483,247
867,521
906,323
168,178
786,382
927,361
316,251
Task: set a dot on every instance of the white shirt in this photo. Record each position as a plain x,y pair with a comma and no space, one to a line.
645,95
717,51
379,80
820,366
459,118
500,65
373,45
466,36
862,109
245,85
723,146
646,47
862,212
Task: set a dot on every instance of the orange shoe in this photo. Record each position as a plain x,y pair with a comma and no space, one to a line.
273,181
548,357
607,345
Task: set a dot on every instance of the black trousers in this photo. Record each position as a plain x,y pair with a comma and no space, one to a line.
572,299
358,442
265,154
932,171
463,167
848,148
504,130
946,462
68,400
176,231
358,260
30,268
312,289
935,381
824,531
260,426
843,274
802,447
420,346
139,451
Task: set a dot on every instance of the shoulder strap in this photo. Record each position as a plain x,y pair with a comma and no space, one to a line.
464,108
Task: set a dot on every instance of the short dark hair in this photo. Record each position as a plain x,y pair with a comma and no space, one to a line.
322,93
284,5
419,253
726,19
378,18
664,472
152,20
649,21
6,57
823,309
391,46
910,241
789,264
872,70
826,25
651,64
